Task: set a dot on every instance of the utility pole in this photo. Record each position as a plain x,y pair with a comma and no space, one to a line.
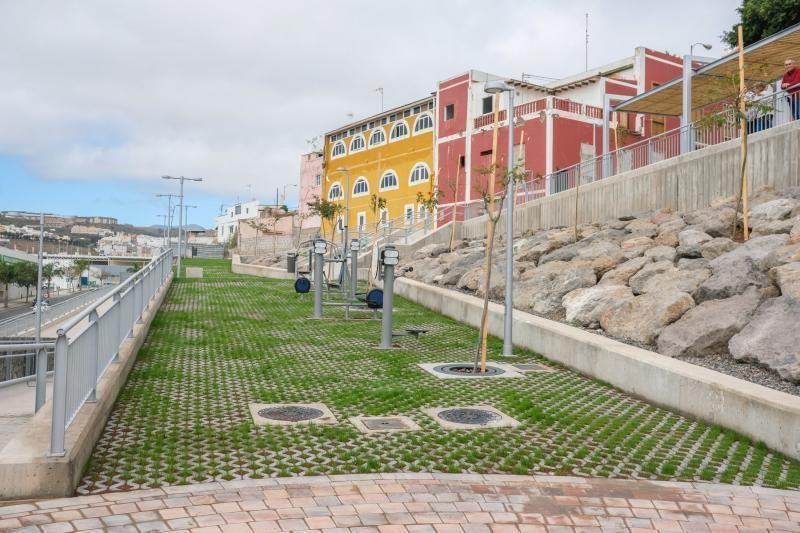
41,354
164,229
587,43
180,214
186,219
169,216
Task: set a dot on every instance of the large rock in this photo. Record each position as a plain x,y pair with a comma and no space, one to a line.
635,242
642,227
707,328
756,249
674,279
469,259
532,251
781,256
717,247
642,318
692,237
730,278
666,238
767,217
431,250
470,280
661,253
673,226
543,289
794,233
584,306
624,271
715,221
638,280
787,277
772,337
588,250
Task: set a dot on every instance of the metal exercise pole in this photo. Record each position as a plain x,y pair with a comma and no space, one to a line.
390,259
508,345
319,258
354,246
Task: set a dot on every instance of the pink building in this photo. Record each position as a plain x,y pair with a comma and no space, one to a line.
558,125
310,187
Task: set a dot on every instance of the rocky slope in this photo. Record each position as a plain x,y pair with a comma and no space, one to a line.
673,282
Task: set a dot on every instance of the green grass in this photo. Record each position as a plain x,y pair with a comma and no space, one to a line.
224,341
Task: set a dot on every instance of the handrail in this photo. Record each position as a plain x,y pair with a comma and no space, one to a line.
120,288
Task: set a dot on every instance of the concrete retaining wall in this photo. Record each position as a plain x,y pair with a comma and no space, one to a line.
26,470
237,267
761,413
682,183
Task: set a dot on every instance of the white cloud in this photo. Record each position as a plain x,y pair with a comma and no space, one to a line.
231,90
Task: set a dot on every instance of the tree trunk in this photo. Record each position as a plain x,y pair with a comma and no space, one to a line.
5,299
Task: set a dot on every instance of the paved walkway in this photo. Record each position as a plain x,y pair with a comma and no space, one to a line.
17,403
419,503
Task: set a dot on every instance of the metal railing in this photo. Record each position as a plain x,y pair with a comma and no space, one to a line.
763,113
89,342
20,358
26,322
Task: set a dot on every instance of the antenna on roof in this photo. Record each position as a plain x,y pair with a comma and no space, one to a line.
379,90
587,43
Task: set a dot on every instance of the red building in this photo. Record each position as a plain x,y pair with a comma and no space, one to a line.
557,126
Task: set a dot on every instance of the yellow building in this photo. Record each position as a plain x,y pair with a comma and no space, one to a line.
389,155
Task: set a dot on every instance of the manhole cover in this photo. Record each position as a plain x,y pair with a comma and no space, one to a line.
384,423
290,413
474,417
461,369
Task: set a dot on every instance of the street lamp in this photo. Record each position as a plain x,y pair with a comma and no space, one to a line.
168,227
704,45
494,87
346,203
180,213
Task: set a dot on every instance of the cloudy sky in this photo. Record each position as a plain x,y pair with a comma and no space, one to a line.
100,98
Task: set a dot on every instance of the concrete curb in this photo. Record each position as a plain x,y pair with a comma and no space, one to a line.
26,470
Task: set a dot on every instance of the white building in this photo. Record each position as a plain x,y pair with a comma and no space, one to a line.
227,223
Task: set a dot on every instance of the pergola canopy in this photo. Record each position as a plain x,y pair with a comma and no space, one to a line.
718,80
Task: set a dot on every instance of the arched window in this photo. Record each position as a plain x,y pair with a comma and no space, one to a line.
378,137
419,174
338,150
357,144
388,181
399,131
424,123
360,187
335,192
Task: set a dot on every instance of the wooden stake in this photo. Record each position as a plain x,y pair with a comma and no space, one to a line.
743,127
487,266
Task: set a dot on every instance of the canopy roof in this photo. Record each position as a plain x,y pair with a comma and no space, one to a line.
715,81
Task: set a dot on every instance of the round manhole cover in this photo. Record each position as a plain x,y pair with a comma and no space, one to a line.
290,413
461,369
476,417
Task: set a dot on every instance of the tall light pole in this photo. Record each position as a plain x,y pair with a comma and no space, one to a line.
180,214
186,219
41,355
164,238
493,87
346,203
169,216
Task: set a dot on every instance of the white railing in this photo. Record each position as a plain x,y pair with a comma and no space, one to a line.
90,342
763,113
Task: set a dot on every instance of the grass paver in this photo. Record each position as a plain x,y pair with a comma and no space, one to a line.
224,341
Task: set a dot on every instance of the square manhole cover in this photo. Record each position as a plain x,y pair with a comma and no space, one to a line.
533,367
384,424
287,414
470,417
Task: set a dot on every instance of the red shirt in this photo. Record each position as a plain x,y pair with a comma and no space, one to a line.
793,79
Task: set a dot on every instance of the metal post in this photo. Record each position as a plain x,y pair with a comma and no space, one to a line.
686,105
94,353
388,295
41,369
59,396
118,338
346,211
319,258
354,246
508,344
606,145
180,228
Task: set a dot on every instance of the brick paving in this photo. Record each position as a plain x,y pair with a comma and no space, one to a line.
419,503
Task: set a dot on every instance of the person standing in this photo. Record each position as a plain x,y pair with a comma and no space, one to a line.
791,84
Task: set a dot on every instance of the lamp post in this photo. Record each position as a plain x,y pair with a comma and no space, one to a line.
687,135
346,203
493,87
180,213
704,45
169,216
186,219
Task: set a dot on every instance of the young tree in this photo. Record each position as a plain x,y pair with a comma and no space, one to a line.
26,275
376,205
762,18
78,267
50,271
328,211
7,277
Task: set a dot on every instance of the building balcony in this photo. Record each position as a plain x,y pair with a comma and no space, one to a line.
542,104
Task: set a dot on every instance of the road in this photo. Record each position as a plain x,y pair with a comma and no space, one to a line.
23,308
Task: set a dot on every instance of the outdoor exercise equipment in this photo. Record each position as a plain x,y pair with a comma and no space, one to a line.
320,247
302,285
389,258
355,245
